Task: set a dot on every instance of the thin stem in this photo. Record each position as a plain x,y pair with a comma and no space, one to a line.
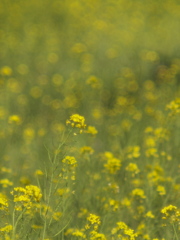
16,223
53,161
175,232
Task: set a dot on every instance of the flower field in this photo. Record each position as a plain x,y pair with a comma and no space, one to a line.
89,120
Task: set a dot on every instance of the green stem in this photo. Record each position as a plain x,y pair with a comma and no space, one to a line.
175,232
16,223
51,183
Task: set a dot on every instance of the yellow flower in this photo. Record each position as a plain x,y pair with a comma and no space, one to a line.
126,231
161,190
92,130
70,161
138,192
6,229
132,167
27,195
94,219
174,106
15,119
133,152
39,173
168,211
6,183
87,149
97,236
94,82
6,71
113,165
78,233
76,121
3,203
149,214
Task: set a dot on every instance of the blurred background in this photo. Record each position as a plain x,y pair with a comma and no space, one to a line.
114,62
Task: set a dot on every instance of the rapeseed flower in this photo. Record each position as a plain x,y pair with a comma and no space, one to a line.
91,130
171,212
3,203
15,119
113,165
133,168
6,71
76,121
6,183
138,192
26,196
71,161
6,229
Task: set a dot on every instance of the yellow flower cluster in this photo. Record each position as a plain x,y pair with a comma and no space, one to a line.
87,150
94,82
26,196
122,230
92,130
113,165
70,161
94,221
138,193
97,236
133,151
15,119
3,203
6,229
6,183
132,167
6,71
172,213
76,121
78,233
174,107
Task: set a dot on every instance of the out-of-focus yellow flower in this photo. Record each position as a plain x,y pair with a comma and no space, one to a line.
126,231
138,192
6,71
132,167
36,92
78,48
15,119
39,173
3,203
6,229
6,183
133,152
161,190
174,107
92,130
70,161
41,132
87,149
94,82
78,233
28,134
149,214
113,165
57,79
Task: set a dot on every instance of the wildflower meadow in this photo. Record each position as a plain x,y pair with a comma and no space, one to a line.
89,120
